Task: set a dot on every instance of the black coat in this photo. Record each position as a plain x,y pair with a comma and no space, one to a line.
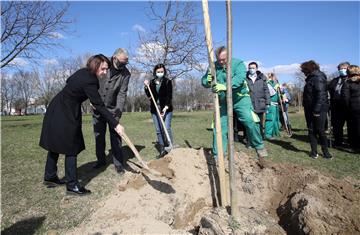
113,91
352,95
335,98
61,130
315,98
164,96
259,92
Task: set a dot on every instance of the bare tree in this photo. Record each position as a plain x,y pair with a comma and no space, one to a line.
49,84
8,93
27,85
190,95
136,99
28,27
54,77
176,41
298,88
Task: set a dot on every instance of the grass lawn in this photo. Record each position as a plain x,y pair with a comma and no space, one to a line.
27,207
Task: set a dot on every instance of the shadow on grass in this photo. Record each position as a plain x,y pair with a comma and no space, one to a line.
213,177
24,227
24,125
159,186
86,172
303,138
287,145
298,129
189,145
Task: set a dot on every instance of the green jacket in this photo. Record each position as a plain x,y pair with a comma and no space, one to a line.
275,86
239,84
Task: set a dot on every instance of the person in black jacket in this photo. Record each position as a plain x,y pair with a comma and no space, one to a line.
259,92
61,131
113,90
352,100
337,107
161,88
315,102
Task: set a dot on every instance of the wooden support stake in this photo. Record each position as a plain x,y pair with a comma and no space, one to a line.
223,191
229,100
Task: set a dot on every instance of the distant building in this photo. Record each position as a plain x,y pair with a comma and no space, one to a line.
34,108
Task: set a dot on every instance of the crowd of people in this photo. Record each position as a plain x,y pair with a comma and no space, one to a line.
258,101
265,103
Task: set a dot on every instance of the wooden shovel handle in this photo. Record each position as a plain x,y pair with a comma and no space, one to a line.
132,147
159,114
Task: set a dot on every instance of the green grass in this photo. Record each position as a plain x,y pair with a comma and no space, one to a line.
28,207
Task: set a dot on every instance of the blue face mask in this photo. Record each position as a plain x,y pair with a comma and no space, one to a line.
343,72
252,71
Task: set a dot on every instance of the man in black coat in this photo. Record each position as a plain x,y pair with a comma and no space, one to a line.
113,91
259,92
315,102
337,101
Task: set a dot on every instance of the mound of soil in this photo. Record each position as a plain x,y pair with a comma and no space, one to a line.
303,200
279,199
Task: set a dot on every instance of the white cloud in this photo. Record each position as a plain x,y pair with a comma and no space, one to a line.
50,62
290,69
283,69
57,35
19,62
139,28
328,68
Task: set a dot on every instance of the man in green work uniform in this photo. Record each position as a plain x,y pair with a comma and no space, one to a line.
241,101
272,123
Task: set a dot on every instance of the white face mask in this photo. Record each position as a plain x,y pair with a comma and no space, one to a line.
159,75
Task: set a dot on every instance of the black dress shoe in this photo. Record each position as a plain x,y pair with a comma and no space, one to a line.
162,154
77,190
99,165
54,182
120,170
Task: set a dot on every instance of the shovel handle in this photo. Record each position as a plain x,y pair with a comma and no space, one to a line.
132,147
159,114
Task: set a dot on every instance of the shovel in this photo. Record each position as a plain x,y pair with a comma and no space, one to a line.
137,155
168,148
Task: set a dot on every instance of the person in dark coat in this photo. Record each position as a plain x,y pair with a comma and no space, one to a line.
113,90
161,88
352,100
61,131
259,92
337,107
315,102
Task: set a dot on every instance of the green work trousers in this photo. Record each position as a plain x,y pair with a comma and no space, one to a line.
272,123
244,112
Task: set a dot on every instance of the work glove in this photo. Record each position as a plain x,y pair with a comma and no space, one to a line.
219,87
209,78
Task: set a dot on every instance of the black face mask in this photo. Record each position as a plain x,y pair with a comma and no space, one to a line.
119,65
